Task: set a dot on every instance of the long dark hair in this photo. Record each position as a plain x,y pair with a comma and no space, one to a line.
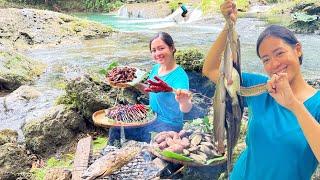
164,37
280,32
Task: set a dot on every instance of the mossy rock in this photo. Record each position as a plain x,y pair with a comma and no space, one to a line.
190,59
8,136
17,69
14,161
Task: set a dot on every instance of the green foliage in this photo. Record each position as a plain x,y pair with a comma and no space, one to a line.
173,155
99,143
102,5
241,4
65,162
206,6
112,65
190,59
38,173
34,2
173,5
215,160
203,124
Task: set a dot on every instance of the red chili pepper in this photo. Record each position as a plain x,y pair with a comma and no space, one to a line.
158,86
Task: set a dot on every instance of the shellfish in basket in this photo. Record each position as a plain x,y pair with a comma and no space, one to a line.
187,147
124,116
124,76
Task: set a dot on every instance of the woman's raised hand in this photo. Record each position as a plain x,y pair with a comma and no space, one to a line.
229,10
183,96
279,88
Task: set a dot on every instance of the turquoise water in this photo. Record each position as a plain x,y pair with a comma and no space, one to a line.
126,24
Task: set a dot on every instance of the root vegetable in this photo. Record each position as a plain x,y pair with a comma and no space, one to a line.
177,148
163,145
170,141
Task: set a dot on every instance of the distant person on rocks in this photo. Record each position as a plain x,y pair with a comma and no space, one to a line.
184,10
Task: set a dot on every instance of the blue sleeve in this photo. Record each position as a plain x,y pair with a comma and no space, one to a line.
251,79
313,105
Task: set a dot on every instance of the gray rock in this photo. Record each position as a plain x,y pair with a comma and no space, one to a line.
56,129
14,161
30,28
89,96
8,136
17,69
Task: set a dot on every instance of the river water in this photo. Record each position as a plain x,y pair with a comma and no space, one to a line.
130,47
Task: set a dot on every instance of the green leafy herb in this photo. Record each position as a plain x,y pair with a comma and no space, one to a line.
111,66
173,155
211,161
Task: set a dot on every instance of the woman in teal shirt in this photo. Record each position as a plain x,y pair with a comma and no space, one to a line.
283,127
168,106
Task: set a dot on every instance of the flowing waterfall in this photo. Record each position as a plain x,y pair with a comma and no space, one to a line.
123,11
193,15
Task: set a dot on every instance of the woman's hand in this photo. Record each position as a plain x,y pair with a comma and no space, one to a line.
279,88
184,99
229,10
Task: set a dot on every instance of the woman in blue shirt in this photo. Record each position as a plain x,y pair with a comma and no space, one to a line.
168,106
283,127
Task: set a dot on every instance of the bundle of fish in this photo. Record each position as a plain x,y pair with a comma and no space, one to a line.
228,101
139,167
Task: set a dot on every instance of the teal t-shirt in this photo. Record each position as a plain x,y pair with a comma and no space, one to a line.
164,103
183,7
276,146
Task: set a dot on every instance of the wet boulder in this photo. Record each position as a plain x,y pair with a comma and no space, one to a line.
17,69
305,18
16,106
88,96
56,129
14,161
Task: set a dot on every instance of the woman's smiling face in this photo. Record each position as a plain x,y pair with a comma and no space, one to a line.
161,52
279,57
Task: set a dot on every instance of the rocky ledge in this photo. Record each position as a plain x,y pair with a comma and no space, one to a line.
22,29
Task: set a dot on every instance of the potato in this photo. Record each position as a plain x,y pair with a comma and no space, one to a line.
163,145
175,148
169,141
